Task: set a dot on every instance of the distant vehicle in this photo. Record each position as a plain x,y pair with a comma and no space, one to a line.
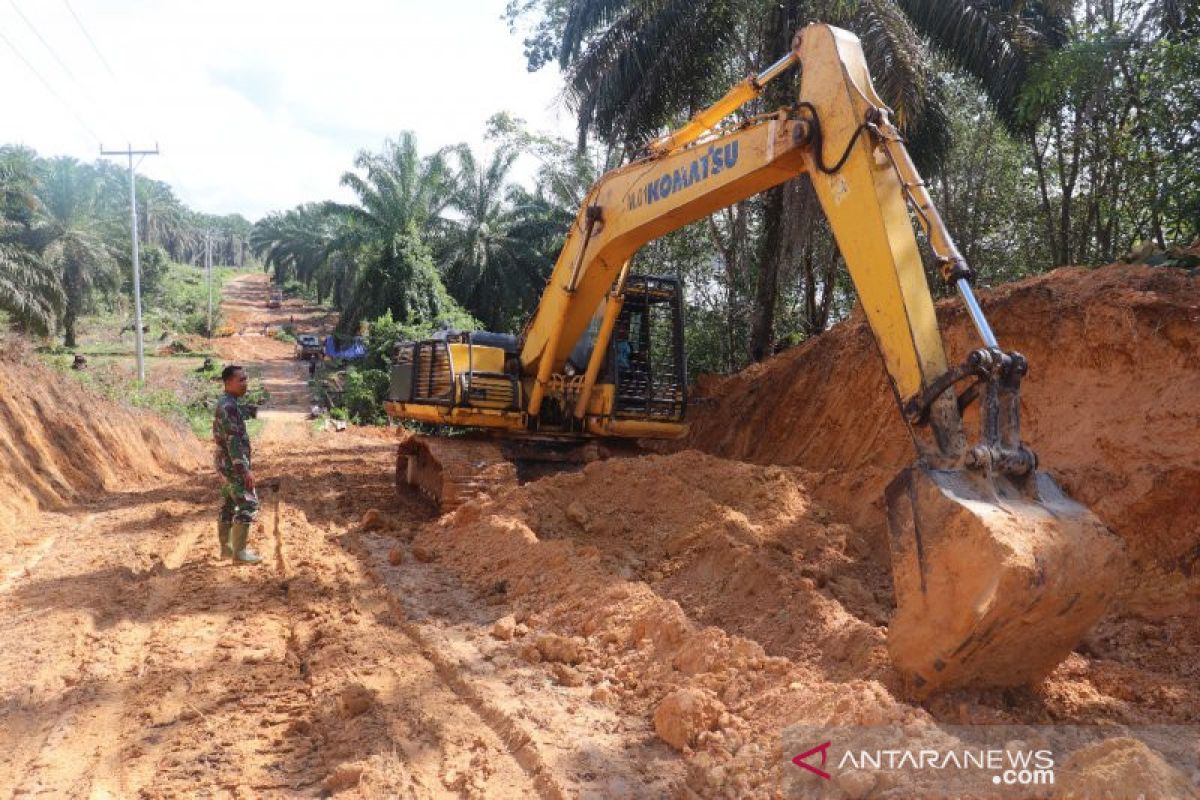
308,347
276,298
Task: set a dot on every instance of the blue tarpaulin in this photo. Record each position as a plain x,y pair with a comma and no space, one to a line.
356,349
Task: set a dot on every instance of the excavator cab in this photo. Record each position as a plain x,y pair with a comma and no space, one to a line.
649,368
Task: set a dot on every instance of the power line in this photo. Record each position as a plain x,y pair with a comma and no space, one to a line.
91,41
83,92
45,44
49,88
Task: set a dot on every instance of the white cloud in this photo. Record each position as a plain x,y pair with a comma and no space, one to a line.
262,104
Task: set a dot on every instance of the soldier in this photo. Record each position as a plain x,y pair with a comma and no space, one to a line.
232,459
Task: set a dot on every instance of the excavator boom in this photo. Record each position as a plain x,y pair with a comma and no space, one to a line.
997,572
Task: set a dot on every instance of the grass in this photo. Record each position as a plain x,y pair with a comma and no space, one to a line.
181,299
190,399
176,313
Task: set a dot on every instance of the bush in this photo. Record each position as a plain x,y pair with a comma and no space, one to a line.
384,332
362,395
294,288
180,301
153,265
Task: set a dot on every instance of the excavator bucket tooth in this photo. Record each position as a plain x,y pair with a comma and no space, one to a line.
995,583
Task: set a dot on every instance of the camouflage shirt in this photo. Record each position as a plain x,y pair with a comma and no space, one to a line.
232,456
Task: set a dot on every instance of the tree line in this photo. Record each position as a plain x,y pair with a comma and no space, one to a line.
1051,132
65,238
445,236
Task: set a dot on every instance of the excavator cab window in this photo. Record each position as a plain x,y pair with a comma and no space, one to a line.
646,357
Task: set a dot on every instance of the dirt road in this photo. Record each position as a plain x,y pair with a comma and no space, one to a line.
136,664
644,628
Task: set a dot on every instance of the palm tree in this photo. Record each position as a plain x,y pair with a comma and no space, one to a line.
297,243
29,289
636,66
400,198
162,218
479,254
78,239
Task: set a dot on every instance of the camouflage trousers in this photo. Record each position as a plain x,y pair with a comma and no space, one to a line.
238,504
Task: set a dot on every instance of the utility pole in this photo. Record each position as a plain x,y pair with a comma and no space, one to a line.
137,273
208,276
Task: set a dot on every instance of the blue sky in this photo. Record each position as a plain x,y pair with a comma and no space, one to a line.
261,104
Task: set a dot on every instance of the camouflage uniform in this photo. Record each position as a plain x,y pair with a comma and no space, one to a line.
232,460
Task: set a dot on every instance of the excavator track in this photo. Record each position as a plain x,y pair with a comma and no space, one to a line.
452,471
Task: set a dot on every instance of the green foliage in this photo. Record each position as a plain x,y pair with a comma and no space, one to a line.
403,280
1113,134
152,266
180,301
1044,135
306,292
79,236
296,245
1164,151
363,390
30,289
384,332
64,240
637,68
376,255
986,193
191,402
256,394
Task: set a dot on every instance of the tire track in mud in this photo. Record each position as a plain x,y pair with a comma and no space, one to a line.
61,750
252,681
219,688
148,668
520,744
383,713
568,737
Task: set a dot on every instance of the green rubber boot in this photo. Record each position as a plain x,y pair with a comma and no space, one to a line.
239,533
223,529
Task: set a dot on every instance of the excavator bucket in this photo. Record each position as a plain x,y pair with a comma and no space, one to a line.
452,471
995,581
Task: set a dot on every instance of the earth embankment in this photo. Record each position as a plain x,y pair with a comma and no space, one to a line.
1111,405
60,443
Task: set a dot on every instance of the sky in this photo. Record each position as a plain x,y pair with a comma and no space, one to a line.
258,105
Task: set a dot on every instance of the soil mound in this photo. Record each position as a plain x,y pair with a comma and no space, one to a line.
690,590
717,538
1111,405
60,443
721,602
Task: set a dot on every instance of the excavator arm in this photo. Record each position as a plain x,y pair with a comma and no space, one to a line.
840,134
997,572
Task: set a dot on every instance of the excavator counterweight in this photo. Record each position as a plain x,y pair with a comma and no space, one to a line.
997,573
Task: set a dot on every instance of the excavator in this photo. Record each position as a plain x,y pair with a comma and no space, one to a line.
997,573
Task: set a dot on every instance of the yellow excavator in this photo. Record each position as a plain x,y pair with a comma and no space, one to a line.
997,573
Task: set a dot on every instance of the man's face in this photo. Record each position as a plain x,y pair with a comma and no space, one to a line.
237,383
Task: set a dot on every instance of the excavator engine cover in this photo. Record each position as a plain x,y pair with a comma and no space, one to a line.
996,579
